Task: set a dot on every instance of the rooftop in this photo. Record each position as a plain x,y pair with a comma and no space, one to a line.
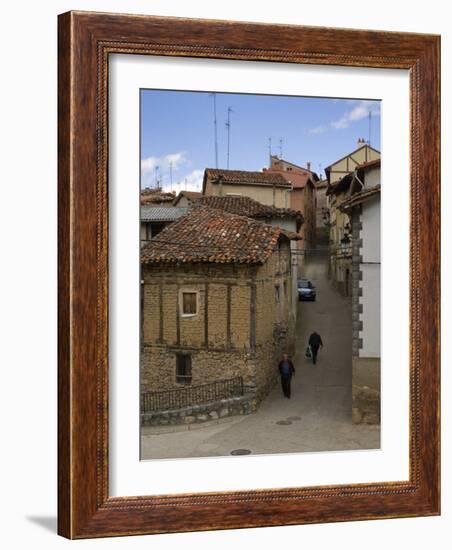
151,213
209,235
191,195
155,196
246,206
359,198
245,177
370,164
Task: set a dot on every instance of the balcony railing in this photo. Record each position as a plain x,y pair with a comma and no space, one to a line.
191,395
341,250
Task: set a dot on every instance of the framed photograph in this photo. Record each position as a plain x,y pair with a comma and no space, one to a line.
248,275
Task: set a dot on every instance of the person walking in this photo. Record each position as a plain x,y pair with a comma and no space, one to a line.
315,342
286,370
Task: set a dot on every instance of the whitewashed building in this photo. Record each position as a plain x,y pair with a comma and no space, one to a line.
363,208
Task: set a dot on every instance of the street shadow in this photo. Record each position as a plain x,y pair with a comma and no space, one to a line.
49,523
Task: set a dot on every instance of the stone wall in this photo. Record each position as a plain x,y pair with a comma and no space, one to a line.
198,414
366,390
241,327
158,372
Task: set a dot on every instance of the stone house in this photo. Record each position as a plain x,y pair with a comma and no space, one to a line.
285,218
363,206
268,188
322,214
186,199
339,176
340,246
302,196
154,219
215,303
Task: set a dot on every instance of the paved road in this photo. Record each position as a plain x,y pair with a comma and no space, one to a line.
319,412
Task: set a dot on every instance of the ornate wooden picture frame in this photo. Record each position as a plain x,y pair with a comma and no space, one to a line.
86,40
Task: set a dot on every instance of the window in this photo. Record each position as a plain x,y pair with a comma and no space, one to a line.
277,297
189,303
154,228
183,368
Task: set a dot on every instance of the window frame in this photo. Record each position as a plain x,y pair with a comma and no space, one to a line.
187,378
181,302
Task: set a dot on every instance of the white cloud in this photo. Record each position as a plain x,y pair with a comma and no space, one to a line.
358,112
189,182
149,165
317,130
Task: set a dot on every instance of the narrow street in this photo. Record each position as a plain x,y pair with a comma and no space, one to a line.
316,418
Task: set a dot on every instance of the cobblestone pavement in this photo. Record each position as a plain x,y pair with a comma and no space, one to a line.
318,415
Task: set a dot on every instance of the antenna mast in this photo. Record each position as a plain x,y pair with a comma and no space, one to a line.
280,147
156,171
370,126
228,126
214,95
270,150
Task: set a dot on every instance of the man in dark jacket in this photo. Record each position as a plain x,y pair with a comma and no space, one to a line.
286,370
315,342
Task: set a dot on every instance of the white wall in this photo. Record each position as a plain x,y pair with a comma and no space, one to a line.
370,316
370,283
28,279
370,232
372,177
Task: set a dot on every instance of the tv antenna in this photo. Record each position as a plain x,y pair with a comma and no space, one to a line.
228,126
214,95
280,147
270,149
156,174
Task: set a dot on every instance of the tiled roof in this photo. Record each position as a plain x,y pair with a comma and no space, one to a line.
369,164
190,195
208,235
155,196
150,213
245,177
246,206
359,198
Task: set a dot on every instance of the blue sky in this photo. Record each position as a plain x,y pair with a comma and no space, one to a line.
177,131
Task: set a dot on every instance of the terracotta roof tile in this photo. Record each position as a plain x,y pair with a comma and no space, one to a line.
155,196
246,206
208,235
359,198
369,164
245,177
190,195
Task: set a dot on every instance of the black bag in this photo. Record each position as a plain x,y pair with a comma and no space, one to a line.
308,352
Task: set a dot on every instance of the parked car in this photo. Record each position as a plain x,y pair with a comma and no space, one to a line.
306,290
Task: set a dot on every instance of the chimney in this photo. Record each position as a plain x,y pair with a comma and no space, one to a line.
308,165
220,184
